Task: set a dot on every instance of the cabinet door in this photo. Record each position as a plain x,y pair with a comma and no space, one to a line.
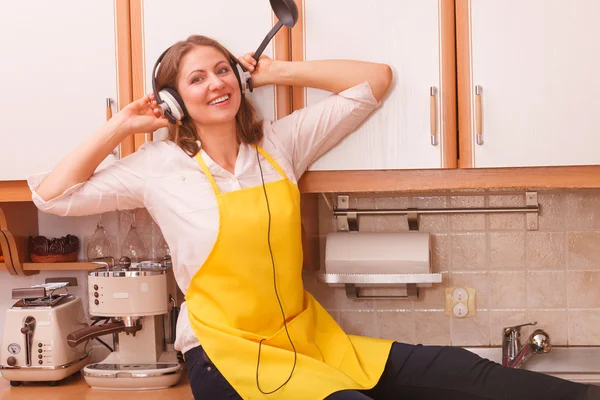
407,35
537,63
58,67
239,25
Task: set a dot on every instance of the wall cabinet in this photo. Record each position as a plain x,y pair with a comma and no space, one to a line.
519,77
529,82
59,65
415,126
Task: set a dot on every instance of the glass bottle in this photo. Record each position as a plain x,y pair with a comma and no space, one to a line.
99,245
162,249
133,246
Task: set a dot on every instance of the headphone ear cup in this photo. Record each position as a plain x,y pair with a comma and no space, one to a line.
175,106
245,78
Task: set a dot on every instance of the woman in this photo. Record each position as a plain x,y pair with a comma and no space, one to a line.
223,191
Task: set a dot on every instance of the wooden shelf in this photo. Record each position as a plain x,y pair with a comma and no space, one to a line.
2,266
67,266
14,191
414,180
571,177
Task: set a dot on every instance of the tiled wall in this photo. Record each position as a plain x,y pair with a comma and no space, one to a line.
551,275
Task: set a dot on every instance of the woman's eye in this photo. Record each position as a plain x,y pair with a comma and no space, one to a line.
223,70
197,79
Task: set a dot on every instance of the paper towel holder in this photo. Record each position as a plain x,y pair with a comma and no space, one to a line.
347,218
351,283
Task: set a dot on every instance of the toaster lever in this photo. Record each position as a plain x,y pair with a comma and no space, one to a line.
27,330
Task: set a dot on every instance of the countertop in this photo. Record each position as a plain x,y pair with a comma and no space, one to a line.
76,388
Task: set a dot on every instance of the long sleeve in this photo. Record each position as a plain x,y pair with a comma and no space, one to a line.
120,186
310,132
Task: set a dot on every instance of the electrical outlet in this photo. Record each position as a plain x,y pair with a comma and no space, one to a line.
460,302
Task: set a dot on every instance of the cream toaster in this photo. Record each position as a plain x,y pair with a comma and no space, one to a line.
34,343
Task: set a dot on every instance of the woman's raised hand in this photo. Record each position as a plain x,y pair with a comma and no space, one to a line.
259,71
141,116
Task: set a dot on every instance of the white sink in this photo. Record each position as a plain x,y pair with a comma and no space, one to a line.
578,364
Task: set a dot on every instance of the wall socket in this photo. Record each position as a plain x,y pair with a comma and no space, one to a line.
460,302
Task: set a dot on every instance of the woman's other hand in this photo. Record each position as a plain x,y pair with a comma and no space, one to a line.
141,116
259,71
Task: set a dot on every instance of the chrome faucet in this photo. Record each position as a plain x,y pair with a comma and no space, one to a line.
513,354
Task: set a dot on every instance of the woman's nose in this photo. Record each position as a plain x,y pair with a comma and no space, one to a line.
215,82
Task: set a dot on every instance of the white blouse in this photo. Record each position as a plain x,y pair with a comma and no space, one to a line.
161,177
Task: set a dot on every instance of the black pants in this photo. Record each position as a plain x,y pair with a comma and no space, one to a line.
421,372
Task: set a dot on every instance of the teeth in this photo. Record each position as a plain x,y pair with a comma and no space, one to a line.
219,100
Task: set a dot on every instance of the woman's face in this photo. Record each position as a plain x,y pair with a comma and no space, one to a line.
208,86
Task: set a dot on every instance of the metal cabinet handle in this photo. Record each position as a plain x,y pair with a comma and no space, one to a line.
115,151
478,117
108,109
433,115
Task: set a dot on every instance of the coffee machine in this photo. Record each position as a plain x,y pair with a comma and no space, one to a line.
133,298
34,345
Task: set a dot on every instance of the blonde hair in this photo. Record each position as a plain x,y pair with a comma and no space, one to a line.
249,127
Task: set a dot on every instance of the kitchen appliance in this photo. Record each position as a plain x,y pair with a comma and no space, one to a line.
34,342
133,296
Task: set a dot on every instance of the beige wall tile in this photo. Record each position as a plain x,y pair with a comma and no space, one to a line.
507,221
326,221
433,297
468,252
398,326
434,222
473,331
391,223
507,250
553,322
508,290
431,327
584,327
467,222
545,250
367,223
480,281
392,202
552,210
440,253
583,210
502,318
546,289
363,323
583,250
583,289
362,200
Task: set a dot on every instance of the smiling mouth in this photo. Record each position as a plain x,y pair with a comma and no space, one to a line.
219,100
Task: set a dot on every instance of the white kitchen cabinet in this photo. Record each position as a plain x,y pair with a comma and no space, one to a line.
410,36
58,66
239,25
536,63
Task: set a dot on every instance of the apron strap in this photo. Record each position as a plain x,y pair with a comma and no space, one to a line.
204,168
271,161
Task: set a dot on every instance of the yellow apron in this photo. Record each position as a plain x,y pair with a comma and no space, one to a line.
232,304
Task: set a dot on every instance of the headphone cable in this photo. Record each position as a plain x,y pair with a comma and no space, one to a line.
275,285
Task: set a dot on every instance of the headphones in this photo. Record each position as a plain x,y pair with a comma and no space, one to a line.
170,102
